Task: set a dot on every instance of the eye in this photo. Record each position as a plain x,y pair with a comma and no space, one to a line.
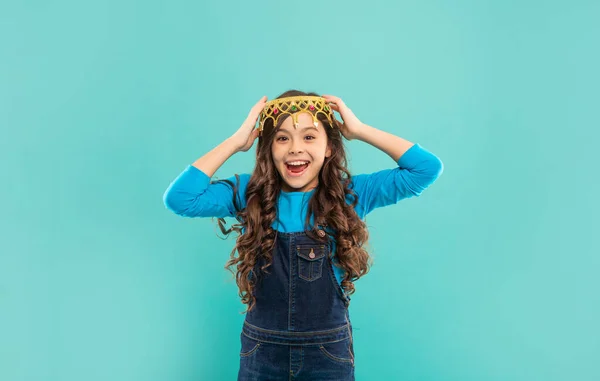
310,136
281,137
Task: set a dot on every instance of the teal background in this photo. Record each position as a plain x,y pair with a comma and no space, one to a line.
492,274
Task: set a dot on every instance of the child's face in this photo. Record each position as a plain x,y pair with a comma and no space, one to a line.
303,144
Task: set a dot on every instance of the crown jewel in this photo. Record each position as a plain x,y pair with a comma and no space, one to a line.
293,106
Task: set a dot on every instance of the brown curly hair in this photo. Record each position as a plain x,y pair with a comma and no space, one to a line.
331,205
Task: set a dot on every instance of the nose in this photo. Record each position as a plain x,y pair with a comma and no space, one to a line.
295,149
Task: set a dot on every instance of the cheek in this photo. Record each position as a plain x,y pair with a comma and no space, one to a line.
276,154
322,152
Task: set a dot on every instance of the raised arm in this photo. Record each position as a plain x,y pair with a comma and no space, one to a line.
417,168
352,128
242,140
192,194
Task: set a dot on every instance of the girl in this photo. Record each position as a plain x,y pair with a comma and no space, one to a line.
301,231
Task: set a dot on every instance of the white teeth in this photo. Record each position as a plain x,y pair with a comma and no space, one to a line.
297,162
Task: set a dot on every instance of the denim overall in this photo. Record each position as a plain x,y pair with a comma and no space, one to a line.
299,328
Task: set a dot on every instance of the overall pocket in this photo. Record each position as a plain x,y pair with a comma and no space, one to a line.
249,346
310,261
340,352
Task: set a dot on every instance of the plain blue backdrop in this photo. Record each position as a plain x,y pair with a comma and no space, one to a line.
490,275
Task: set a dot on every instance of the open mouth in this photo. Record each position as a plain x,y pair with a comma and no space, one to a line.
296,168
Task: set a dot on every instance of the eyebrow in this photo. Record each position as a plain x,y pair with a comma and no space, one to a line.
301,128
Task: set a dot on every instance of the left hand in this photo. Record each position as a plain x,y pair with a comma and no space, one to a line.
352,126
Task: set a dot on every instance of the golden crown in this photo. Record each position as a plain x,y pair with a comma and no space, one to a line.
294,106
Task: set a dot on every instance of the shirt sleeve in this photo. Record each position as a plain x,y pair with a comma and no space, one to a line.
417,169
192,194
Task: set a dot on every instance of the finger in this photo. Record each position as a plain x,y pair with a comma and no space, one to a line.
332,98
253,135
337,106
261,103
252,119
258,107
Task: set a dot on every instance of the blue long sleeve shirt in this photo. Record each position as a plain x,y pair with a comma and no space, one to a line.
192,194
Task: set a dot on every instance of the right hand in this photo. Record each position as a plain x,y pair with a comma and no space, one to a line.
245,136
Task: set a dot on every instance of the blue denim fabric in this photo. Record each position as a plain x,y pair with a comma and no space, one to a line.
299,328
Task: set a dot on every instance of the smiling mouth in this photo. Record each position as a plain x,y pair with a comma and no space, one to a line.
296,168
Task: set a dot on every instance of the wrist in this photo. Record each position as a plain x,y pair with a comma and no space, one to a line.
231,145
363,132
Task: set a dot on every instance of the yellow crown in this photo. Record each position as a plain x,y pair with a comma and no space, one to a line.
294,106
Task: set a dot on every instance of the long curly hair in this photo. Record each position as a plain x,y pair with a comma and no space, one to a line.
332,205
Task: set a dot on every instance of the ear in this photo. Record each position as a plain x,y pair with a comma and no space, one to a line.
328,151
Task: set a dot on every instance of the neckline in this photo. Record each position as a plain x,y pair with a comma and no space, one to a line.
294,193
